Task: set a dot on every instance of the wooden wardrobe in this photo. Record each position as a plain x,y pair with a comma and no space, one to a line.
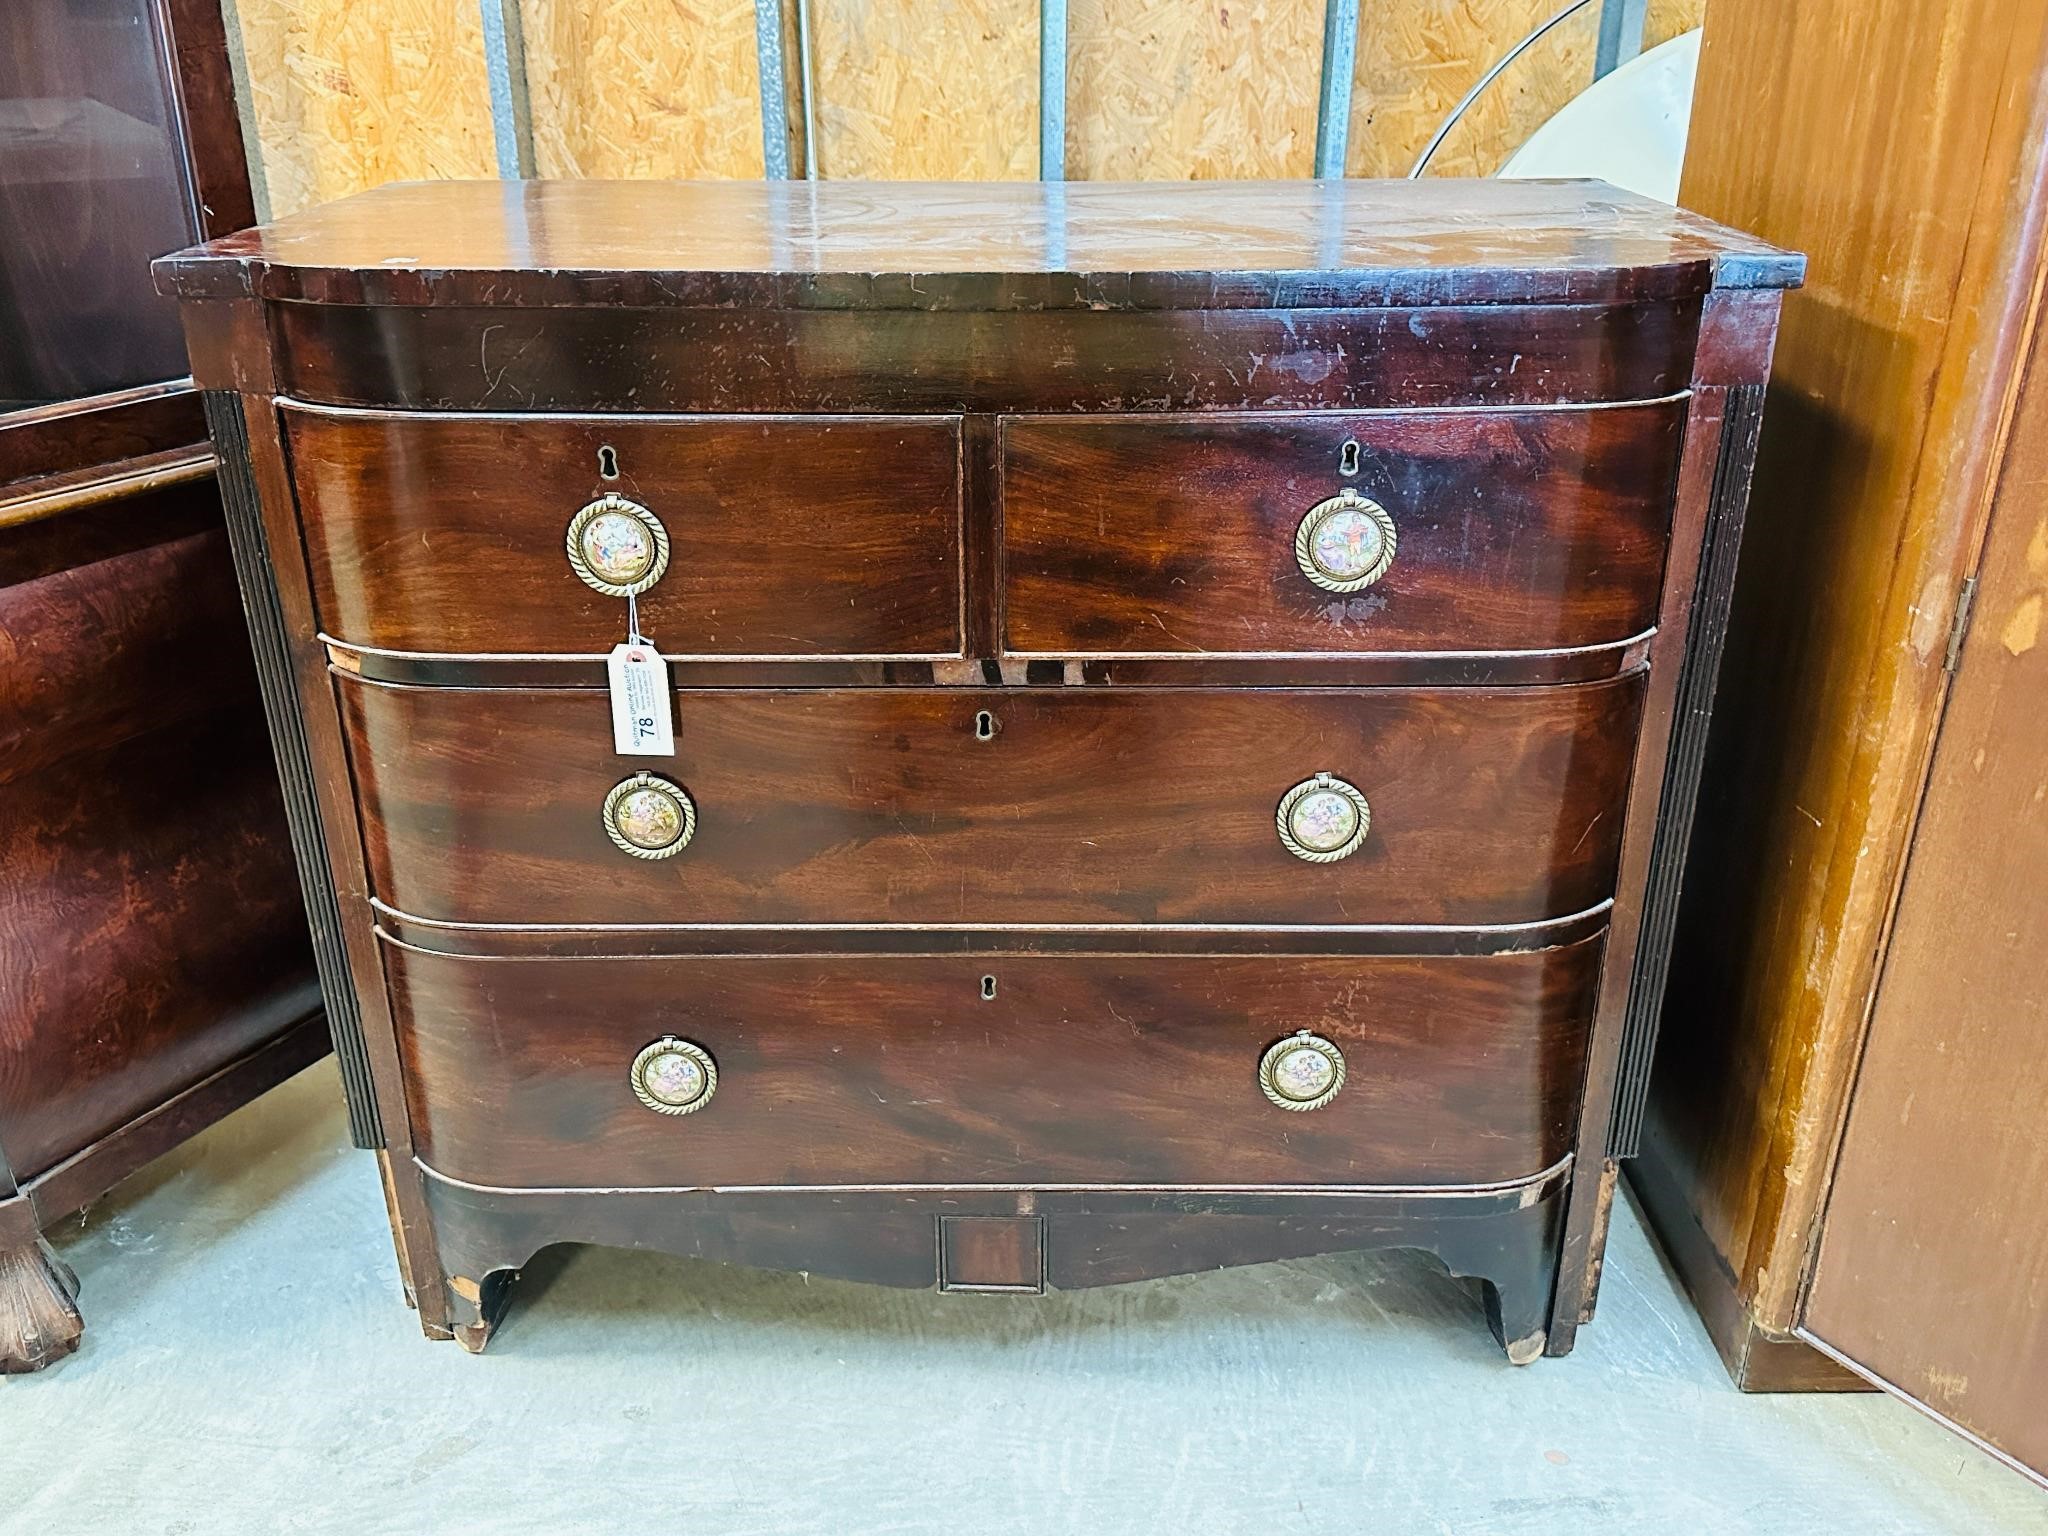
157,971
1845,1150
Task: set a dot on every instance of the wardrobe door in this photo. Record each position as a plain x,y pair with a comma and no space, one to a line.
1932,1272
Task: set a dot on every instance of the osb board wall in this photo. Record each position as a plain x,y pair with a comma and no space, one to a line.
920,90
1418,58
345,94
1169,89
641,87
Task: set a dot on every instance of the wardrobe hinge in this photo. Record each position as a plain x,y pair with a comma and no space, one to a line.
1960,626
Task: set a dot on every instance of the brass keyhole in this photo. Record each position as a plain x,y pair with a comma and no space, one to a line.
608,462
1347,457
984,726
988,989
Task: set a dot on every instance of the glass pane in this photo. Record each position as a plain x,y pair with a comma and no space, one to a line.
92,186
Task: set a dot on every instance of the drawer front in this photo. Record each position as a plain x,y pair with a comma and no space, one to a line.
798,536
898,1069
1524,530
1083,805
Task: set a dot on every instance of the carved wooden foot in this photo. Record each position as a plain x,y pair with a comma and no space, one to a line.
1519,1315
1514,1259
39,1319
475,1306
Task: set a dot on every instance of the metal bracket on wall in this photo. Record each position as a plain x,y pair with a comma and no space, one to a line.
774,89
1621,34
1340,69
505,67
1052,90
771,57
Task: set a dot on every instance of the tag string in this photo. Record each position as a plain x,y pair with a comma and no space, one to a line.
633,635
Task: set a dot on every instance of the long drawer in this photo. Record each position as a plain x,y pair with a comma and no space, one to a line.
1337,532
1006,1069
752,536
1015,806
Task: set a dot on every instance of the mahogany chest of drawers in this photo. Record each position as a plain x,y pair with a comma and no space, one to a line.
1186,703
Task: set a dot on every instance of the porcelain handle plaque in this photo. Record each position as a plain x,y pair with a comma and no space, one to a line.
617,546
1346,543
649,817
1323,819
674,1077
1302,1072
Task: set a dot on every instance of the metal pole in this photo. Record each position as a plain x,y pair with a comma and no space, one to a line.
1340,67
1621,34
774,90
1052,90
505,66
803,61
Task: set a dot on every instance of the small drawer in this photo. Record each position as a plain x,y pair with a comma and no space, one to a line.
993,1069
749,536
1000,806
1336,533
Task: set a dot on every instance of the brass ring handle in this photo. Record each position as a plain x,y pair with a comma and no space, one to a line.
1323,819
674,1077
649,817
1345,543
617,546
1302,1072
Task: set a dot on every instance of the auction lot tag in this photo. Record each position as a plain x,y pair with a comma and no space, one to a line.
641,723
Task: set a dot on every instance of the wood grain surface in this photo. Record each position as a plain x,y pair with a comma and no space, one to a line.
906,360
1295,244
1933,1258
1505,1237
149,904
1889,405
799,536
896,1069
1080,848
1088,805
1516,530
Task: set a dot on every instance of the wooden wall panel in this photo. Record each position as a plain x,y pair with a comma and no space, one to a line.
346,96
926,90
1169,89
1417,58
1909,169
634,88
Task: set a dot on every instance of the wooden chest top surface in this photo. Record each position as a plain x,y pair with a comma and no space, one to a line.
1002,245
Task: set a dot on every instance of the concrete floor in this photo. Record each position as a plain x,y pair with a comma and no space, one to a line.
249,1368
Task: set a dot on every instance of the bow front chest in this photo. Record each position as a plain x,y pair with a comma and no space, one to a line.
992,737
